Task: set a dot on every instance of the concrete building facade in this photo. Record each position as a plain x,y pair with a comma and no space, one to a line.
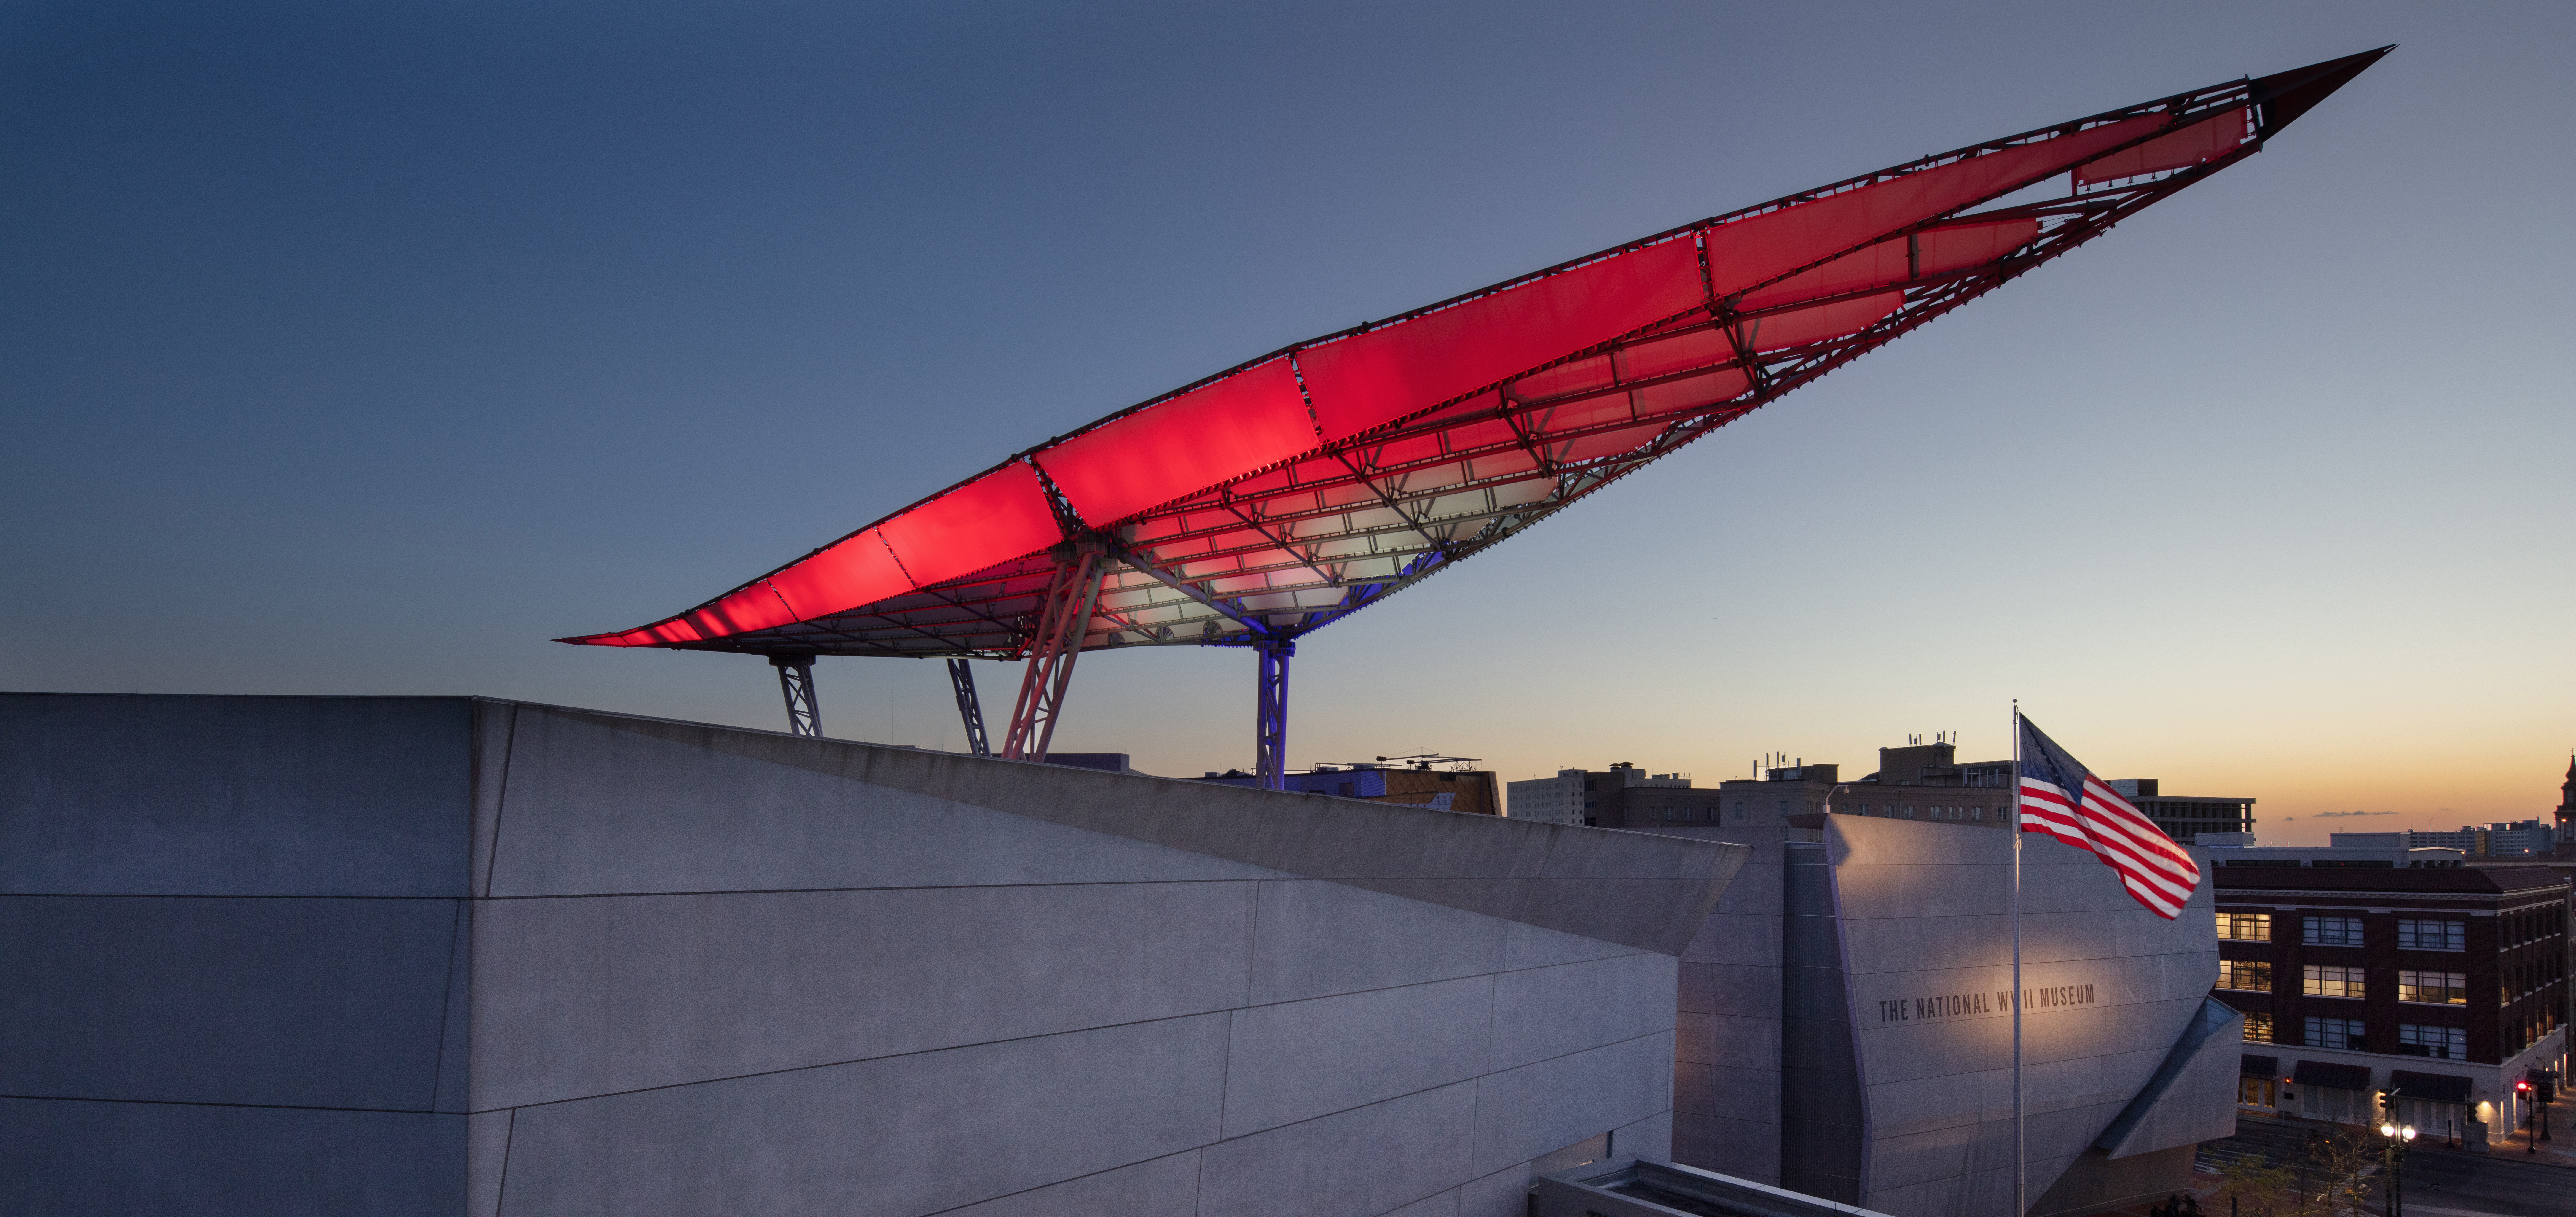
2534,838
1622,796
1845,1021
283,955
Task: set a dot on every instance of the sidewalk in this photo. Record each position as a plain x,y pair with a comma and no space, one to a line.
2559,1150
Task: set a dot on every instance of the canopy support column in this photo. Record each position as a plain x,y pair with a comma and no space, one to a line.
796,684
1062,621
1270,716
969,710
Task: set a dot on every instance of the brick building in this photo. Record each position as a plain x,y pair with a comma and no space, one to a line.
2446,983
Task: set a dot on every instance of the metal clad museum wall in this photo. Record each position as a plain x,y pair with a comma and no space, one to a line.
351,955
1846,1029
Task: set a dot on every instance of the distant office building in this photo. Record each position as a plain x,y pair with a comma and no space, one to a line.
2469,839
1929,782
2186,816
2367,972
1914,782
1845,1017
1622,796
309,956
2348,850
2514,839
1401,781
2521,838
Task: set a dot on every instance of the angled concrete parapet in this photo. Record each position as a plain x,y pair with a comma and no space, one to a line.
459,956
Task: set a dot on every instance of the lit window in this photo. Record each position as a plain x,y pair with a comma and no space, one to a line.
2254,974
2328,980
2444,1043
2415,935
2333,932
2245,927
2258,1028
2344,1033
2446,988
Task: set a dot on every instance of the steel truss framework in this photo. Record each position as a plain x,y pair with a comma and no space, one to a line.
796,685
1073,593
1269,554
970,709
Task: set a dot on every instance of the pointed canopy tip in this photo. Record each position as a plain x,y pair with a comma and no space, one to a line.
2284,96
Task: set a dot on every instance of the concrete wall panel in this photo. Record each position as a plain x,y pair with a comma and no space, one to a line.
1738,938
1299,1060
1164,1187
487,1156
713,970
1315,939
1504,1193
593,809
594,995
905,1135
1620,999
1367,1160
1728,1041
315,1003
1618,892
1443,1205
1530,946
1651,1137
86,1159
1744,1148
1525,1112
234,796
495,730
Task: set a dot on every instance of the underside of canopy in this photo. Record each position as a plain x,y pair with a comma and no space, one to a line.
1293,490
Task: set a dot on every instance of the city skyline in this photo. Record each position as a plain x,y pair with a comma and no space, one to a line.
369,351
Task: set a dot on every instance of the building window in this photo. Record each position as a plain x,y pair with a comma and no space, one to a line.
2444,1043
2258,1028
2333,932
2251,974
2344,1033
2432,935
2245,927
2445,988
2328,980
1909,813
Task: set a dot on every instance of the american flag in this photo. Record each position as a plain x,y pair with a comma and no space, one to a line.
2063,799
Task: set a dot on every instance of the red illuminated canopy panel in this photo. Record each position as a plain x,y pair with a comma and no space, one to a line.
1292,490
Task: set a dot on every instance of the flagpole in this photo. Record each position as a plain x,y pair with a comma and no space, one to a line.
2021,1205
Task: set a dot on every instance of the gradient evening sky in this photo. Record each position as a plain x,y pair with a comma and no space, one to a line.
362,348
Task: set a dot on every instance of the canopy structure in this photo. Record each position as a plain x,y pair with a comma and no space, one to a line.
1288,492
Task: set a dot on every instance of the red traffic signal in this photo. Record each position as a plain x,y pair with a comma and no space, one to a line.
2523,1086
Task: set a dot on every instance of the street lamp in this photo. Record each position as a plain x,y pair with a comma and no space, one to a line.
2545,1082
2392,1155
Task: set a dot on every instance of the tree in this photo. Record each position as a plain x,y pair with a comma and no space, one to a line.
2339,1173
2254,1186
